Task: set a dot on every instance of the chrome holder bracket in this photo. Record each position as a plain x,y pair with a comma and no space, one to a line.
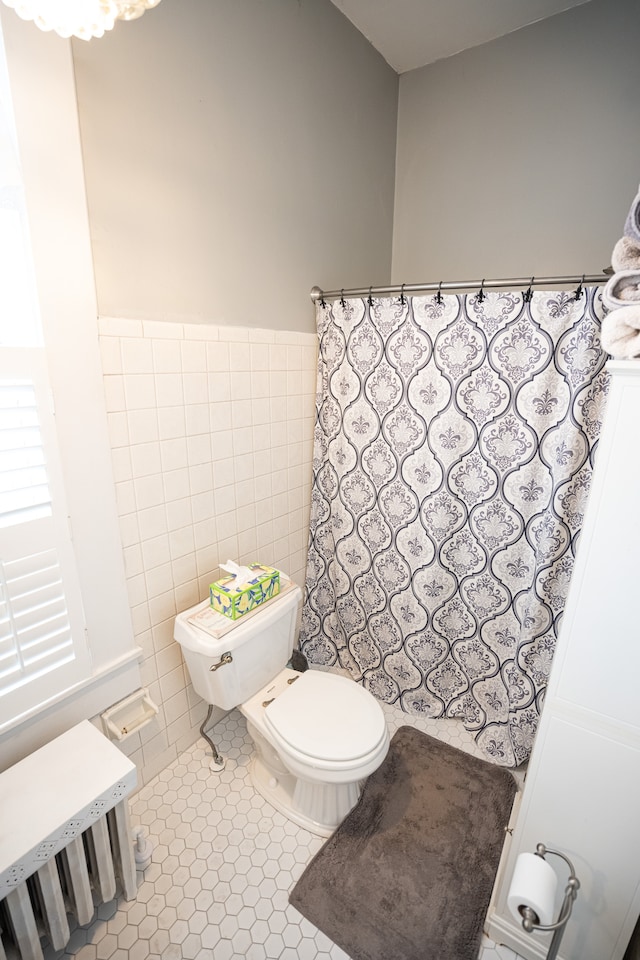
530,919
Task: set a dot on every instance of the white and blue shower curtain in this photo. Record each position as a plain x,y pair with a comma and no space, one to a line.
453,453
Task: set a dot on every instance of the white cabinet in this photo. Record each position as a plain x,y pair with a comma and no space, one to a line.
582,792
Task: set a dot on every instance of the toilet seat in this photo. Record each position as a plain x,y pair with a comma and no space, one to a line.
327,721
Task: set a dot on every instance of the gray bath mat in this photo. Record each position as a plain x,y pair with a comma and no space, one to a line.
408,874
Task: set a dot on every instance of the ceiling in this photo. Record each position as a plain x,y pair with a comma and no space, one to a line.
412,33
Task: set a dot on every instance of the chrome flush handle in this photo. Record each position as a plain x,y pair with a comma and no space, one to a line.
225,658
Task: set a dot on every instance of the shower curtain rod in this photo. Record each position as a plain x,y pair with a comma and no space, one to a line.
317,293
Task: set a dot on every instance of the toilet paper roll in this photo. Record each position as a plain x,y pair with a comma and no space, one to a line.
533,885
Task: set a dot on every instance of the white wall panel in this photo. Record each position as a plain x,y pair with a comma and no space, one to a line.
582,791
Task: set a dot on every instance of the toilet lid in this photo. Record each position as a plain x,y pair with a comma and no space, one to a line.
327,717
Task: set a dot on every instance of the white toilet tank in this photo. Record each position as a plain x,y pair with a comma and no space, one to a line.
260,648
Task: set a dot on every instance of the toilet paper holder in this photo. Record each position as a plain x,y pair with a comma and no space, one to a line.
530,919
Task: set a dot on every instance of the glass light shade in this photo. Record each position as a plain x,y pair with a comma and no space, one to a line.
132,9
79,18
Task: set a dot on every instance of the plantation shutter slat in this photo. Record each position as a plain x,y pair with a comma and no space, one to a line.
24,486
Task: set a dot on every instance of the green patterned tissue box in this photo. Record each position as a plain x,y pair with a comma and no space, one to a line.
264,585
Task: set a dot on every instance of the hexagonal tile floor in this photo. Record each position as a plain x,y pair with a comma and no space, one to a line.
223,863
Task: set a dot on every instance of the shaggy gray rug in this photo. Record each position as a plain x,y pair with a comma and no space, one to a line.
408,874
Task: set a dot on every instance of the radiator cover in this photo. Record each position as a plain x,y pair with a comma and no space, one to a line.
65,838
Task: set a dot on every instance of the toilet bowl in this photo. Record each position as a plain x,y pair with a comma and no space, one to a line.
317,735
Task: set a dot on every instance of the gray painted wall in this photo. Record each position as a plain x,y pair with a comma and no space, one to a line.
521,156
236,153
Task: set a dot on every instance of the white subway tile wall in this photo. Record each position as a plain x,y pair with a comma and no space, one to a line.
211,431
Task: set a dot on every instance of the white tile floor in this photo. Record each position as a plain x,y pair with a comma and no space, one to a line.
223,863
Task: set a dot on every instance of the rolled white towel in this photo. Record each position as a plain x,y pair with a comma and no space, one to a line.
626,255
620,334
632,223
622,289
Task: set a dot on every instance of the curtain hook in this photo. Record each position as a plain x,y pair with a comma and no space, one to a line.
369,300
527,296
323,302
579,289
439,293
481,293
342,303
402,296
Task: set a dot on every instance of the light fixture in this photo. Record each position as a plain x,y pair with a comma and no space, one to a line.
79,18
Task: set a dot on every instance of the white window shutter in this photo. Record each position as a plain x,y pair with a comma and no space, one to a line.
24,487
43,648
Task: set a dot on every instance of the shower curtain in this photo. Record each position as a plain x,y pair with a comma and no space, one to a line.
453,453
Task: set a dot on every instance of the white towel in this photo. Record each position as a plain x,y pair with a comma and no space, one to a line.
620,335
626,255
632,223
622,289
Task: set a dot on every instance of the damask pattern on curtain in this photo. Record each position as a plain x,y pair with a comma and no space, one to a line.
453,455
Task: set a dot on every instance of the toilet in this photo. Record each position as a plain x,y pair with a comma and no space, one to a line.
317,735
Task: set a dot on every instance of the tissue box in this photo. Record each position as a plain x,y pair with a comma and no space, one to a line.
264,585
